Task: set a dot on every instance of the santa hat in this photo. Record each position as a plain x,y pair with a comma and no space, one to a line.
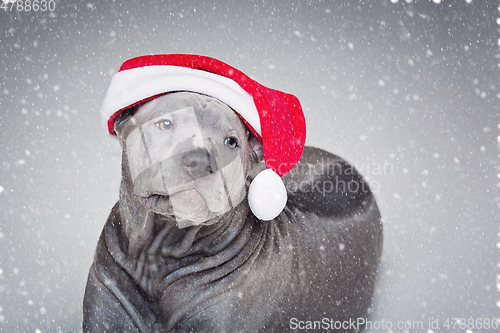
274,117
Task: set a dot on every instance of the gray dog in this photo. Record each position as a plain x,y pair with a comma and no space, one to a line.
181,250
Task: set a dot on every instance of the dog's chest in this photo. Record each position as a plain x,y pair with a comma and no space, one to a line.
204,288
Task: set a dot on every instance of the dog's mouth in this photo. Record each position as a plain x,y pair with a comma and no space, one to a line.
154,201
187,207
189,201
161,202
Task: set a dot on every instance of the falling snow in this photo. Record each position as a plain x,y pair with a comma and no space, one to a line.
412,84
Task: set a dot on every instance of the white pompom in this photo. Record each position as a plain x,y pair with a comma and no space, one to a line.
267,195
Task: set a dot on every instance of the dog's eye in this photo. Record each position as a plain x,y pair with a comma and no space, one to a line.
164,124
231,142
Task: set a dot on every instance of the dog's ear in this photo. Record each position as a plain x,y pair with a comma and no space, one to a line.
123,118
256,150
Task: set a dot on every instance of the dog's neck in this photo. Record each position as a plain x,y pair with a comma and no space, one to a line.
150,247
157,247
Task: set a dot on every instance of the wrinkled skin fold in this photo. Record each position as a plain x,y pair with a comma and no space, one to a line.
231,272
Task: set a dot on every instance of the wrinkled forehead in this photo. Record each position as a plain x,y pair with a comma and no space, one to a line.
209,112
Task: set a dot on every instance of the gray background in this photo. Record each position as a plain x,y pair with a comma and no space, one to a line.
406,90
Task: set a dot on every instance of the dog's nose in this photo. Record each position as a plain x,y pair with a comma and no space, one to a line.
198,163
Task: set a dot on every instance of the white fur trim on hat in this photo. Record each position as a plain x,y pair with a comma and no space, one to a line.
129,86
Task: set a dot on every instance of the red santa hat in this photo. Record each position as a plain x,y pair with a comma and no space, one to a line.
274,117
